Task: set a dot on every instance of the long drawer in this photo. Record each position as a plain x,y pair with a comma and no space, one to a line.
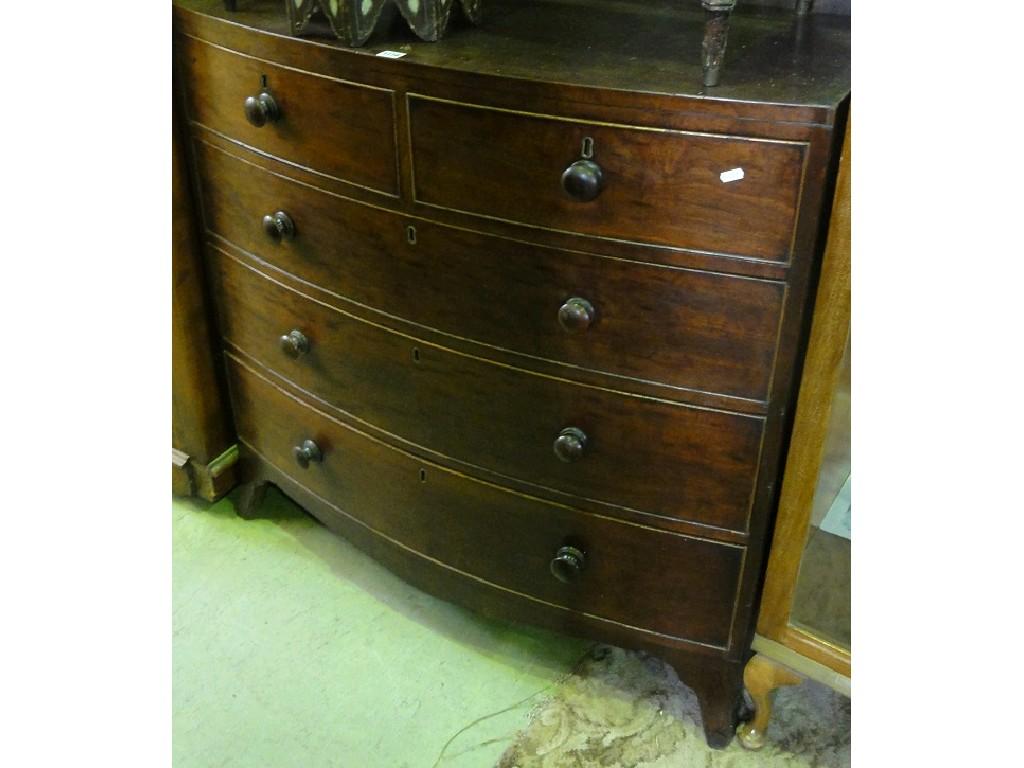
650,455
717,193
337,128
688,329
668,583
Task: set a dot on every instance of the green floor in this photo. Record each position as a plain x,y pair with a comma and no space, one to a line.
293,649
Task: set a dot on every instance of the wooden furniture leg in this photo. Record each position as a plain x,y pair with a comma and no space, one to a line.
716,35
250,499
719,688
230,4
761,677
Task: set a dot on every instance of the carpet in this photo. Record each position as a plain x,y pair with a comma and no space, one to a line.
627,709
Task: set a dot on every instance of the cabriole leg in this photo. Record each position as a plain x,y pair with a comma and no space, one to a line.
761,677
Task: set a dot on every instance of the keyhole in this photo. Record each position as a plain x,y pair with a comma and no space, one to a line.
587,150
410,234
416,354
423,475
263,81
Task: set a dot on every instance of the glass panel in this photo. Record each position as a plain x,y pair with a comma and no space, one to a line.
821,601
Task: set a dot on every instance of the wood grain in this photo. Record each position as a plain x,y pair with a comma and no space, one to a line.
660,187
201,426
344,130
490,378
761,677
817,649
688,329
495,417
485,532
584,52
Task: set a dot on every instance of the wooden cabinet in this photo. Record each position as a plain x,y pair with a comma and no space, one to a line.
525,332
203,448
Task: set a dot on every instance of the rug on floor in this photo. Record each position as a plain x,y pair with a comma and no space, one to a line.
627,709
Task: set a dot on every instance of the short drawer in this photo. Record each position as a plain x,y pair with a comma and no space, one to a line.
651,455
688,329
334,127
716,193
624,573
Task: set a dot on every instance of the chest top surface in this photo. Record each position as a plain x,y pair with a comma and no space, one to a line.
773,57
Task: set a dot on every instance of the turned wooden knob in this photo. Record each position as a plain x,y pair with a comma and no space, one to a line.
307,452
279,226
576,315
294,343
583,180
262,109
568,564
570,444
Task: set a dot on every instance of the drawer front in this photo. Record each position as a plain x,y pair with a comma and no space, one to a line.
668,583
658,186
651,455
330,126
684,328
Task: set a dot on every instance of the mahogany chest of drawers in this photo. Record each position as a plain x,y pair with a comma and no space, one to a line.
521,313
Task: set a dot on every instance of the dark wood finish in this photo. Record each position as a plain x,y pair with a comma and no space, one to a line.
719,690
658,187
639,48
249,499
506,420
342,129
692,329
790,93
486,532
201,428
716,680
451,319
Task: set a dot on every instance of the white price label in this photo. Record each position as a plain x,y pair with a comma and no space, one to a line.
734,175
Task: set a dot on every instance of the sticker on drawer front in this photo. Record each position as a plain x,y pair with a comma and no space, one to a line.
391,54
734,175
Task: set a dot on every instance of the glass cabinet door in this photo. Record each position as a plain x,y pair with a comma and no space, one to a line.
804,618
821,599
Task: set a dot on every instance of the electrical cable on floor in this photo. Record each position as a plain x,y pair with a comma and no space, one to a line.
545,689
